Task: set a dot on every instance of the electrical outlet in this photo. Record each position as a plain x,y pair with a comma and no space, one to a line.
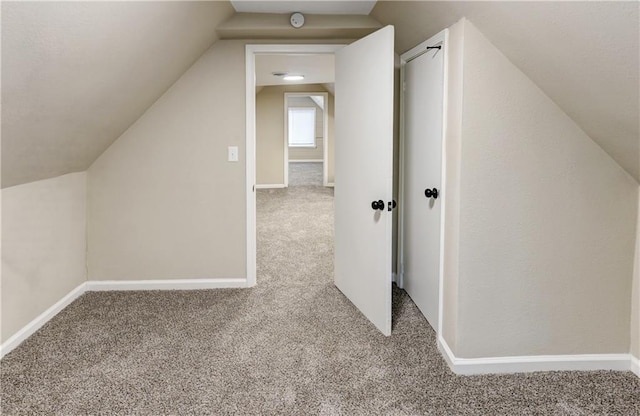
233,153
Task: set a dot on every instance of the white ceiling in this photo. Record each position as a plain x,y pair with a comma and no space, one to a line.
304,6
584,55
317,69
75,75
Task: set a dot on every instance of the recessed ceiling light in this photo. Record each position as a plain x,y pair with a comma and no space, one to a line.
278,74
293,77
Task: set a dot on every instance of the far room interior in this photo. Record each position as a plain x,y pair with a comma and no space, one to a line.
294,117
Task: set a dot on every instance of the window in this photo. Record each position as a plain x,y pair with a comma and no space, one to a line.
302,127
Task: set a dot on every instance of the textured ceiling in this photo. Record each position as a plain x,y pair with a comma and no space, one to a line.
75,75
583,55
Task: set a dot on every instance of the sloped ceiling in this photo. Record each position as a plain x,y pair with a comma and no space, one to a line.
583,55
75,75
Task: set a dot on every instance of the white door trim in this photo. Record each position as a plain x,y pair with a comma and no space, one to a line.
442,38
325,135
251,51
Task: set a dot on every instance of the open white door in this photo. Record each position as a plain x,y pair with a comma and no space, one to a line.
364,174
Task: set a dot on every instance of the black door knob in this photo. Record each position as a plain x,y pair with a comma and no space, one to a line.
431,193
377,205
392,205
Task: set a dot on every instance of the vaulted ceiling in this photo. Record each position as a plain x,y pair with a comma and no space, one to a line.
583,55
75,75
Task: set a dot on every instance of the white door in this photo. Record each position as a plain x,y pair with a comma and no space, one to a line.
423,99
364,174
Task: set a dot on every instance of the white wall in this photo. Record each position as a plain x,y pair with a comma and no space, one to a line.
164,203
43,246
546,238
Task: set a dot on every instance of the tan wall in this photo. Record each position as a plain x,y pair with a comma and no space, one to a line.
163,200
309,153
155,195
546,222
635,297
270,132
43,246
270,137
164,203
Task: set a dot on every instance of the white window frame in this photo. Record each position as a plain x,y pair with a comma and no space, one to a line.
313,144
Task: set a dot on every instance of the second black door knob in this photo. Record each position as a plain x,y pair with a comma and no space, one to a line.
431,193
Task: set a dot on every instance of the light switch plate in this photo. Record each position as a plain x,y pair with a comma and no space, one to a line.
233,153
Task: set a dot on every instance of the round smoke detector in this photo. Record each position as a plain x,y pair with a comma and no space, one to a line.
297,20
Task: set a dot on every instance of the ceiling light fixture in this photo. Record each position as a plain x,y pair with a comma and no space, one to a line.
293,77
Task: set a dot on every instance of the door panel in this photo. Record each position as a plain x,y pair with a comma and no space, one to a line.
423,99
364,173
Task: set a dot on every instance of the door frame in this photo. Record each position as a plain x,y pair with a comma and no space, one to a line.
441,38
325,135
251,50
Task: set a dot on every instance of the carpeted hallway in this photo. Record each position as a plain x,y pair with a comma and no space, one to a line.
291,345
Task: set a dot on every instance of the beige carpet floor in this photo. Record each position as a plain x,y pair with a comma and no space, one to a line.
305,174
293,345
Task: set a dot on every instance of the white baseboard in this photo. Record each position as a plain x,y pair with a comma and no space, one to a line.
527,364
28,330
176,284
306,160
446,353
331,185
270,186
106,285
635,365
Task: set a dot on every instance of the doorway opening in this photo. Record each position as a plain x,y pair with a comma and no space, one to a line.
265,70
363,205
306,134
294,207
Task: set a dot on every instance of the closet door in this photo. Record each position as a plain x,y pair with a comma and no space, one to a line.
422,191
